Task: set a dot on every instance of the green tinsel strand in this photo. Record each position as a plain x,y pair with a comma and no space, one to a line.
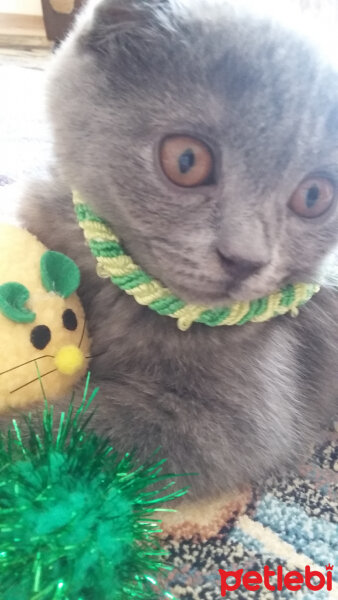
76,520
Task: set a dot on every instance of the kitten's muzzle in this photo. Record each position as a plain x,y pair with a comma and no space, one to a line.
239,268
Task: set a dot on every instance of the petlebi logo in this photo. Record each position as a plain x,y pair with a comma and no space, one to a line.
276,580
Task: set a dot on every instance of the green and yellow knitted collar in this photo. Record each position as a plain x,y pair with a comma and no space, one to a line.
115,264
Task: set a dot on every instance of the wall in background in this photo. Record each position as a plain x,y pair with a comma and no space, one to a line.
24,7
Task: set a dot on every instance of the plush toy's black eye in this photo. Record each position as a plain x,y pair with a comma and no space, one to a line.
40,337
69,320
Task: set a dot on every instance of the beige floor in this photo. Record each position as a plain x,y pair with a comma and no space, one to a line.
22,31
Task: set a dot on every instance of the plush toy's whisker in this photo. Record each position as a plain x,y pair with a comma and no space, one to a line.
26,363
83,332
94,356
33,380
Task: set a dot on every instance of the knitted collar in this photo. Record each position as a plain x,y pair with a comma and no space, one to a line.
115,264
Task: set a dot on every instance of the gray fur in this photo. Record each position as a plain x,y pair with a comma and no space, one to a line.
230,403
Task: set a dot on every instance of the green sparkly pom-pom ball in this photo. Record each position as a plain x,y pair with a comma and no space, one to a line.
76,520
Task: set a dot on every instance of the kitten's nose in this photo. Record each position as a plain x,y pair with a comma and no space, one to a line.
238,267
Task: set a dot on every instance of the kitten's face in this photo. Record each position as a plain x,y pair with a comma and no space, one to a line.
211,144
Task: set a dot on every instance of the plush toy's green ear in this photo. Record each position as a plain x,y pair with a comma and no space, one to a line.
59,274
13,297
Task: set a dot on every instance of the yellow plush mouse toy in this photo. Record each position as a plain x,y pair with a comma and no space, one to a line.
74,514
44,343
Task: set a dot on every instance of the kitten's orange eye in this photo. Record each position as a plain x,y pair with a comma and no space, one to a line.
187,161
313,197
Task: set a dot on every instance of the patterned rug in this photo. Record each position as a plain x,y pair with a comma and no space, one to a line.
291,524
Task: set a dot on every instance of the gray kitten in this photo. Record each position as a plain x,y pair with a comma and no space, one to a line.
207,135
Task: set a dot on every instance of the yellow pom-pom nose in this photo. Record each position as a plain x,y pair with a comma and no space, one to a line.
69,360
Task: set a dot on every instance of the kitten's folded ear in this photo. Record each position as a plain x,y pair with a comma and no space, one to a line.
116,18
119,14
